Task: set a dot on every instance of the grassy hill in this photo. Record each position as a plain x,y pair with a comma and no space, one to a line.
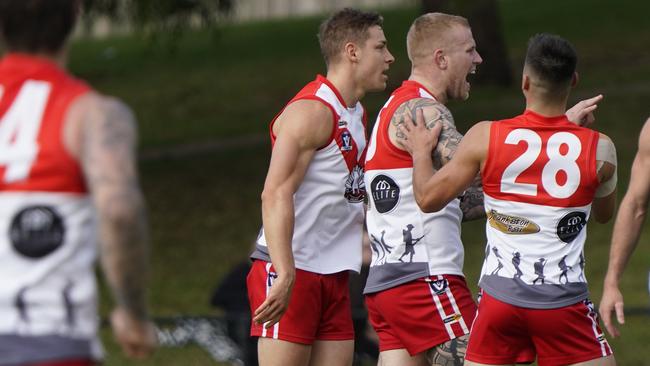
204,208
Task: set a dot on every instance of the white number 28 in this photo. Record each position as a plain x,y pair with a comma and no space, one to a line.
557,162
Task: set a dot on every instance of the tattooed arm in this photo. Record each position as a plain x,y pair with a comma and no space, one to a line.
102,134
471,201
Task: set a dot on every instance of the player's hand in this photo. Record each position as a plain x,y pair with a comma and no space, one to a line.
582,113
137,337
612,301
415,137
276,302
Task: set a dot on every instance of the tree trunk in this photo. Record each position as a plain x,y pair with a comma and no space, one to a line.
484,18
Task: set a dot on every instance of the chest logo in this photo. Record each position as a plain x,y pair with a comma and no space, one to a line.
385,193
570,226
346,141
343,124
355,188
509,224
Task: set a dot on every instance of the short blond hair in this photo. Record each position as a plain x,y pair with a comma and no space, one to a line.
430,32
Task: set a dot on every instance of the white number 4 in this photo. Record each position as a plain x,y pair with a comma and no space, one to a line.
557,162
19,130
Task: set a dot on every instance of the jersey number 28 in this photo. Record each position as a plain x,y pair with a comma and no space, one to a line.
557,161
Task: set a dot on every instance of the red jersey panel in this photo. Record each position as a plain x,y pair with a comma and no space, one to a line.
539,160
34,97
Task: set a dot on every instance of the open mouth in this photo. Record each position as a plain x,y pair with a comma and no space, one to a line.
470,76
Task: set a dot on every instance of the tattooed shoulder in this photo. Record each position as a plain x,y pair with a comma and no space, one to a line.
434,111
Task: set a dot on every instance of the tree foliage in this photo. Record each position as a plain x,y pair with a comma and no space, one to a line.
158,16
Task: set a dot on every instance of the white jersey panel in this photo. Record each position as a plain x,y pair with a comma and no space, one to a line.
47,287
407,243
534,253
328,224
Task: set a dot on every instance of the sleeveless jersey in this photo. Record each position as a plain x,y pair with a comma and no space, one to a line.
47,229
329,202
406,243
539,180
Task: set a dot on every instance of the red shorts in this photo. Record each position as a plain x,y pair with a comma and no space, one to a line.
319,308
421,314
506,334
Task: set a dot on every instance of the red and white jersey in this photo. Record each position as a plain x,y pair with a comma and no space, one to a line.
329,202
47,225
406,243
539,180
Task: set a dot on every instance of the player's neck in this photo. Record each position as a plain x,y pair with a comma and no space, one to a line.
428,82
544,108
59,58
346,86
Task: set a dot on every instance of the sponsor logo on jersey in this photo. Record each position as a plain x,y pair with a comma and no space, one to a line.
36,231
343,124
355,187
439,286
346,140
452,318
385,193
511,224
570,226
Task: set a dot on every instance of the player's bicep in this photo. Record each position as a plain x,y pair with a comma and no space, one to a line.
289,162
639,187
304,127
108,151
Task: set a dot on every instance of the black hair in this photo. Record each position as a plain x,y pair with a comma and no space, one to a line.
552,58
37,26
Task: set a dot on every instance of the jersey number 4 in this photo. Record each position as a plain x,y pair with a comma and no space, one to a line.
557,161
19,128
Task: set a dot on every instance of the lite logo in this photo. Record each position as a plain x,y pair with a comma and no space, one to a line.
385,193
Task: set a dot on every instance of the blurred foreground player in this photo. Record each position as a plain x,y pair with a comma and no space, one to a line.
67,179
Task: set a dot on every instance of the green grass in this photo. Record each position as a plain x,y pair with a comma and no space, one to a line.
204,209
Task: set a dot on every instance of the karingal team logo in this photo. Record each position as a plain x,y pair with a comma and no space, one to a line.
355,187
385,193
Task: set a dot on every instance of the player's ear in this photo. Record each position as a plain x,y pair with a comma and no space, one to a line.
351,51
525,82
440,59
574,79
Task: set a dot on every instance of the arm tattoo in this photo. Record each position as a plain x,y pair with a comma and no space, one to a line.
450,353
108,161
433,112
472,200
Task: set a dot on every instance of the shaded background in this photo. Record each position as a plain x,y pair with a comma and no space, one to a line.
204,95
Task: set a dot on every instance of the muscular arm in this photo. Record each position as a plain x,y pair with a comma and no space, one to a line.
302,128
107,154
101,133
627,230
472,198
